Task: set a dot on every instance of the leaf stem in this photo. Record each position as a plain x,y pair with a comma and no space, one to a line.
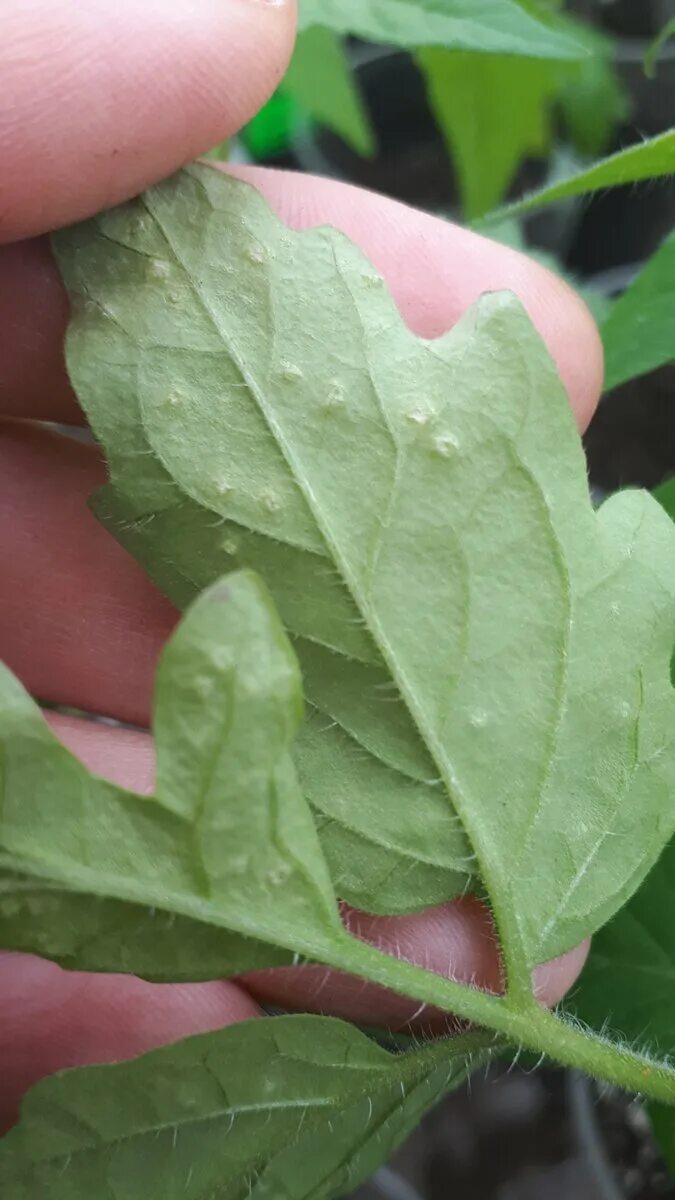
522,1022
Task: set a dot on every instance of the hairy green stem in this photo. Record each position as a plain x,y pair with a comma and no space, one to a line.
524,1023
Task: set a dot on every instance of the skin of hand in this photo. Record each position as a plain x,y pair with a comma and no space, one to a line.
98,101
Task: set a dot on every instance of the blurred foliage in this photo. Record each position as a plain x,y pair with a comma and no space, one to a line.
495,109
465,92
498,113
510,233
654,51
639,335
321,82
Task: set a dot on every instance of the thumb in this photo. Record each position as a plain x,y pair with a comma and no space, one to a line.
101,99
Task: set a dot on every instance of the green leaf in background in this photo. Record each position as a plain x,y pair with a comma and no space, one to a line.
490,26
227,839
653,54
592,99
651,159
465,91
639,333
665,494
628,983
439,489
629,980
510,233
541,8
299,1107
663,1124
320,80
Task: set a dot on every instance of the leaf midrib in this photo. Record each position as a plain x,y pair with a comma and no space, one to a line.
158,1128
372,622
507,916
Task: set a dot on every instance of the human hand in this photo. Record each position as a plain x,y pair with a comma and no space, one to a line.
98,101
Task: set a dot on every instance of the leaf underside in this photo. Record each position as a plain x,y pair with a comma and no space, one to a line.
489,26
486,667
639,332
190,882
480,658
299,1107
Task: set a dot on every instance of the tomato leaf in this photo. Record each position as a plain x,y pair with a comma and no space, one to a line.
639,332
298,1107
227,706
490,26
463,91
320,79
427,507
651,159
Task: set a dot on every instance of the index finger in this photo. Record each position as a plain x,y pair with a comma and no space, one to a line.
433,268
101,99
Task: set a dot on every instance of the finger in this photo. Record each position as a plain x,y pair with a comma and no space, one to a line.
80,622
101,99
51,1019
435,270
456,940
33,320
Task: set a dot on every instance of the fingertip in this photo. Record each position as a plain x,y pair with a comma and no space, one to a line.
571,334
53,1019
101,100
553,979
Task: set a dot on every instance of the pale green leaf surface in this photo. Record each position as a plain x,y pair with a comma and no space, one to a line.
374,873
182,547
645,926
226,840
320,79
665,494
639,333
490,26
465,91
86,932
651,159
379,853
629,981
266,376
288,1106
187,541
